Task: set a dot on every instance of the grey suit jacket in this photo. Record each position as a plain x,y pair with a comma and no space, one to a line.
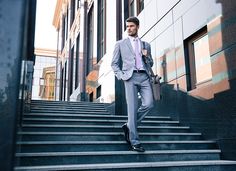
123,61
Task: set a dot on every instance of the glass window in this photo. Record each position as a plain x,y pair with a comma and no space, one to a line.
70,70
131,8
78,4
202,59
126,11
99,91
90,57
63,33
77,62
140,6
72,12
198,63
101,28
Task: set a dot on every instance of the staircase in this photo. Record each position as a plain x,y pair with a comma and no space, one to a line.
84,136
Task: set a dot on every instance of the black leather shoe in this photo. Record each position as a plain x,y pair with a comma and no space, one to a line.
126,132
138,148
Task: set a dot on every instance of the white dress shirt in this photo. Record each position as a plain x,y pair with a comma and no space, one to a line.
132,39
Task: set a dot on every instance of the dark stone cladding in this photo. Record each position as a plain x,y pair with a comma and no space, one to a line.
17,20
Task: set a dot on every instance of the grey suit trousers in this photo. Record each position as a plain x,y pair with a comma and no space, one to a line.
139,82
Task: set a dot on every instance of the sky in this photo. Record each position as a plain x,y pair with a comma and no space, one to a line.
45,32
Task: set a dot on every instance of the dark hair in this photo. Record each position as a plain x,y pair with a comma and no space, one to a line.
135,20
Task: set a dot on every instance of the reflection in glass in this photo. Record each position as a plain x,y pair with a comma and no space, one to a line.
202,59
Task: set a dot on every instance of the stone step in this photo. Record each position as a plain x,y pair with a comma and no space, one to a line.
65,103
200,165
85,136
102,136
76,146
94,121
89,111
99,128
87,116
55,158
52,107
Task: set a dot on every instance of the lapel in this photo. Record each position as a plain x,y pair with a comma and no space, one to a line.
127,41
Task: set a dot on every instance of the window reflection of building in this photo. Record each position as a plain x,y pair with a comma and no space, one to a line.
44,59
47,86
164,70
198,57
202,59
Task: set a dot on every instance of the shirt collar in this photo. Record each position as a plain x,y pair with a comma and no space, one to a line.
133,38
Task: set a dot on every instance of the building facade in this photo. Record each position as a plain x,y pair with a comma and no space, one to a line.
193,47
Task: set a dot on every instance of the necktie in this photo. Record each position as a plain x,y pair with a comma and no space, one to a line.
138,59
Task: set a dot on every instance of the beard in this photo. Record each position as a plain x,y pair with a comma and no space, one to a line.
133,34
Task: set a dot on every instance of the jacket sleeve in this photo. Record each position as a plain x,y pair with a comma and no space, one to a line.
116,62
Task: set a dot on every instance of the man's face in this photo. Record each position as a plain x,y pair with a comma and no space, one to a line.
132,29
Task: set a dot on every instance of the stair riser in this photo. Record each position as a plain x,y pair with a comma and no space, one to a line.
189,168
91,159
61,102
79,116
101,123
104,137
68,109
102,112
110,147
58,129
151,168
67,105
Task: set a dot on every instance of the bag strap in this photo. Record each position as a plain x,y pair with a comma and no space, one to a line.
147,63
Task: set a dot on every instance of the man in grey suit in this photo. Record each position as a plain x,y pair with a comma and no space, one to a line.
128,65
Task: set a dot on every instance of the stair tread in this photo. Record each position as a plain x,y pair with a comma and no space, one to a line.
55,101
66,115
87,109
91,120
71,111
99,133
115,152
101,126
93,115
110,142
67,104
129,165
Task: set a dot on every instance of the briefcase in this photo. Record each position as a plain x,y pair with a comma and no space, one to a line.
156,87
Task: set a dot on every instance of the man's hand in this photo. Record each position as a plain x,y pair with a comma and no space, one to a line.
144,52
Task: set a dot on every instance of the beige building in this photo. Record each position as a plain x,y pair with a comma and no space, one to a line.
44,83
47,89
